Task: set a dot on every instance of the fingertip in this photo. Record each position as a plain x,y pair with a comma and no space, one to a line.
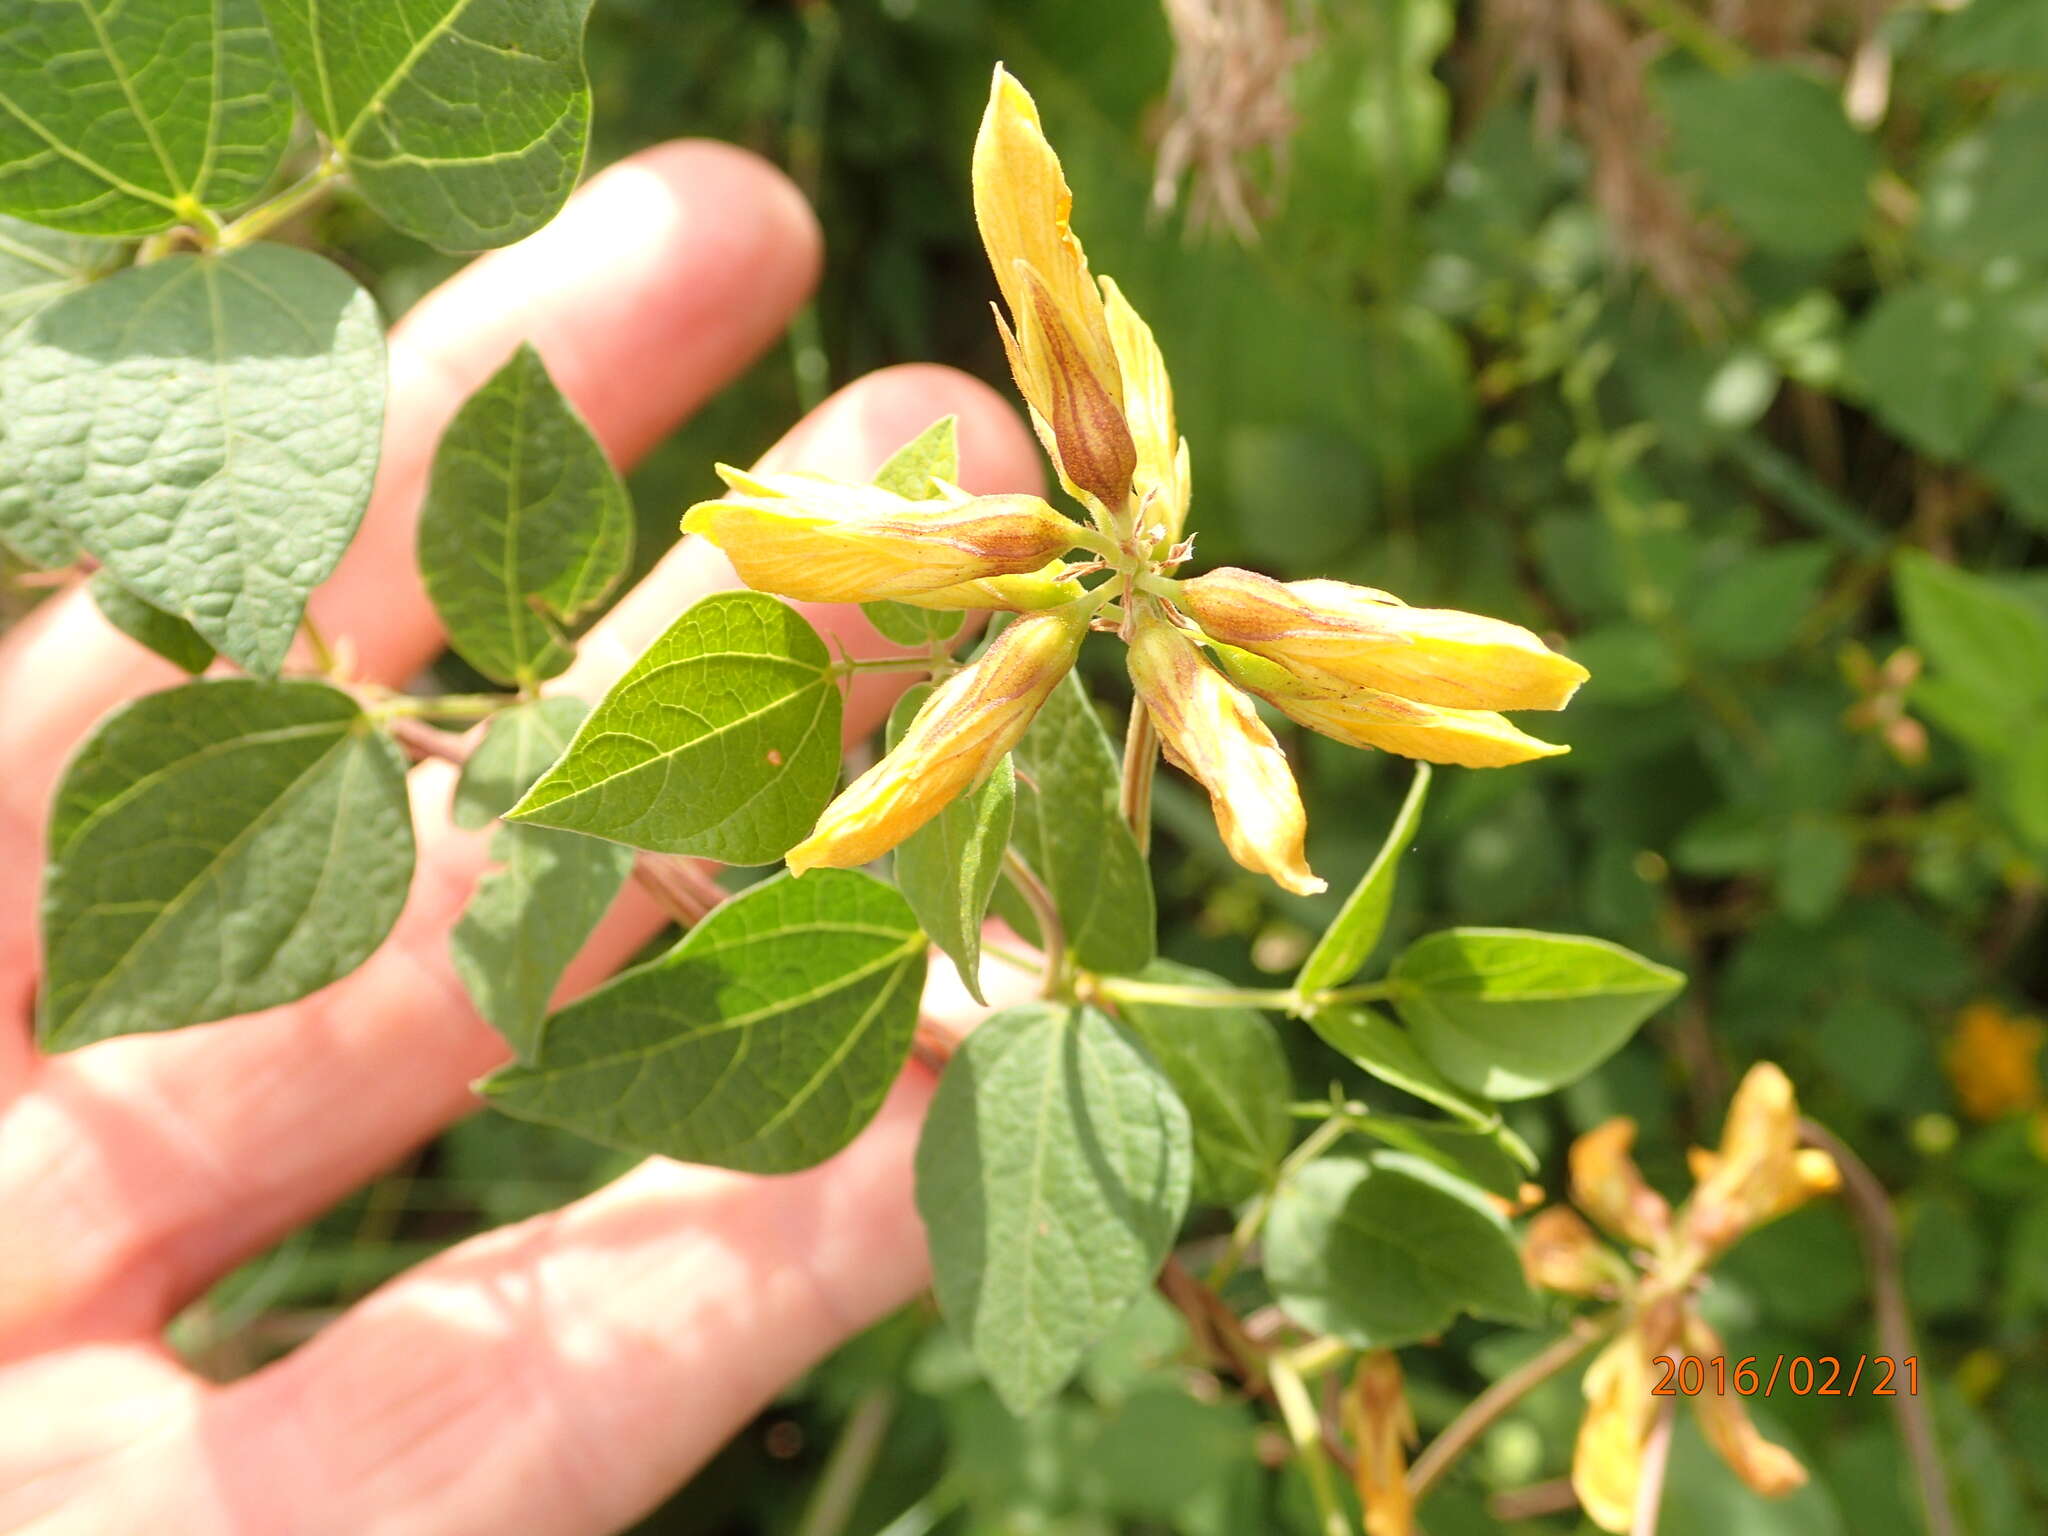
855,430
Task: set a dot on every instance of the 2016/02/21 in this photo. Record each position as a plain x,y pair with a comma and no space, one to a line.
1804,1376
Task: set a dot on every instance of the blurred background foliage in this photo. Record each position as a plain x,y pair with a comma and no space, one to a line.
1708,337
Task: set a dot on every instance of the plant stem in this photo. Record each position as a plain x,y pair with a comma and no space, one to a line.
1141,760
1279,999
1249,1225
289,203
1052,937
447,706
1305,1428
848,664
1871,1209
1497,1399
1710,47
1656,1459
850,1465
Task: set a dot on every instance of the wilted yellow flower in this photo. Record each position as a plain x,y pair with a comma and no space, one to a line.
819,540
952,745
1359,636
1607,1185
1760,1172
1993,1059
1210,730
1058,337
1561,1253
1621,1410
1770,1469
1382,1428
1367,718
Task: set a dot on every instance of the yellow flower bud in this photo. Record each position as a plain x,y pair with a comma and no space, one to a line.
952,745
1210,731
1160,482
1382,1428
1007,594
818,540
1561,1253
1367,718
1769,1469
1059,338
1333,631
1607,1185
1760,1171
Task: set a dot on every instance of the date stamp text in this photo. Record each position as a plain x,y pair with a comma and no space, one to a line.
1798,1375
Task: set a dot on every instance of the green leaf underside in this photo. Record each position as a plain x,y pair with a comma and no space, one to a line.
1381,1047
526,525
215,849
528,917
947,869
1472,1155
1511,1014
37,267
124,117
208,427
721,741
1052,1176
763,1041
1385,1249
171,638
1071,833
1349,942
1229,1070
464,122
909,472
520,744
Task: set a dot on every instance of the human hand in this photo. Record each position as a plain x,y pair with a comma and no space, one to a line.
561,1375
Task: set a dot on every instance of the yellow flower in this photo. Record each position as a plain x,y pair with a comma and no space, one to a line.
1607,1185
1561,1253
1760,1172
1046,588
1210,731
1382,1428
1333,631
1993,1061
1160,483
819,540
1607,1458
1367,718
1770,1469
1058,338
952,745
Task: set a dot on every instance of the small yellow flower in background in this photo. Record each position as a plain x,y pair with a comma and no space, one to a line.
1993,1062
818,540
1759,1173
1350,662
1210,731
1381,1426
952,745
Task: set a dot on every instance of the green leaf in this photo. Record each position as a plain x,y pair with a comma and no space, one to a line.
1510,1014
462,121
529,917
1976,635
208,427
1381,1047
1349,942
721,741
1752,610
934,452
526,526
1931,365
1475,1156
1985,197
38,267
522,742
1731,131
948,868
763,1041
124,117
171,638
1229,1070
1052,1177
1386,1249
1072,834
215,849
2014,457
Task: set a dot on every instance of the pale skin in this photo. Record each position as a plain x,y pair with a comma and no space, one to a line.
559,1376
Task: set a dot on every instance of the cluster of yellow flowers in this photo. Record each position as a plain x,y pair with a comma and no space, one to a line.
1760,1173
1350,662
